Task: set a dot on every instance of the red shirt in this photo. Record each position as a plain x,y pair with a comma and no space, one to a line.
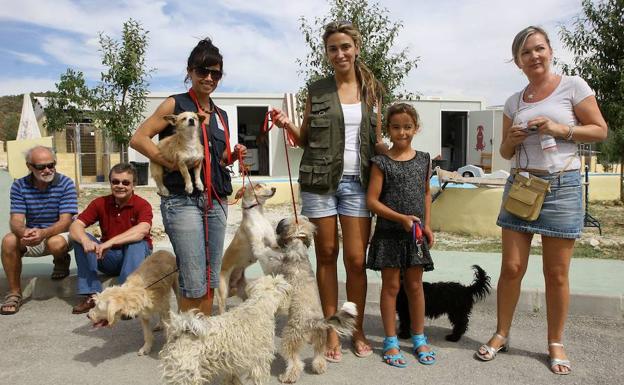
115,220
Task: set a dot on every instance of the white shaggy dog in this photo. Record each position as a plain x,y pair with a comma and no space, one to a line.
146,292
305,316
182,148
236,344
254,227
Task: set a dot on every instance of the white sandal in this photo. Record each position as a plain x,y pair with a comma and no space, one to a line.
490,352
558,361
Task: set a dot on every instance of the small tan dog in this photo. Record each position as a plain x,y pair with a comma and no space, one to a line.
182,148
238,344
254,227
146,292
305,315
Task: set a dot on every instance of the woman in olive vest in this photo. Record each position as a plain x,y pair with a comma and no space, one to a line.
339,135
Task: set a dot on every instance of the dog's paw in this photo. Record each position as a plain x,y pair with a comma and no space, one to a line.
145,350
199,185
319,365
452,338
164,192
188,188
288,378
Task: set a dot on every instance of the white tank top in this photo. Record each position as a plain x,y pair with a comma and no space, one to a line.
352,119
558,107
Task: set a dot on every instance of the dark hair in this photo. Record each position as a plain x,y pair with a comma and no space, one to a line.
371,87
402,108
121,168
205,54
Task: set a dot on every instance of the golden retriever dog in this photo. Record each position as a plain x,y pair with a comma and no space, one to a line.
254,227
146,292
182,148
236,344
305,316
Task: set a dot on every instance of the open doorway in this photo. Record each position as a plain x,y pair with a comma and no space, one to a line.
250,120
454,136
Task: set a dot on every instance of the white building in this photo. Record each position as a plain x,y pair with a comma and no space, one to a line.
458,131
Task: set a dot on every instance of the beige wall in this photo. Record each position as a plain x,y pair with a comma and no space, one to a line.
468,211
604,187
15,154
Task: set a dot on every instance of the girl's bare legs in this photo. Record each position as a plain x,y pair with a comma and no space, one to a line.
326,249
355,233
390,285
416,298
557,253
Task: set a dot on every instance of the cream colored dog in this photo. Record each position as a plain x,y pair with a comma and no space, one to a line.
236,344
254,227
305,316
146,292
183,148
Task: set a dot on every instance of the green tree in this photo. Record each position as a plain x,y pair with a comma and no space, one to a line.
70,103
119,99
9,126
390,65
597,41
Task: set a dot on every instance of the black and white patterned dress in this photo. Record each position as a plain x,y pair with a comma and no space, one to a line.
403,191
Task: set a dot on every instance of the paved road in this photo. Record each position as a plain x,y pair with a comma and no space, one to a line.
45,344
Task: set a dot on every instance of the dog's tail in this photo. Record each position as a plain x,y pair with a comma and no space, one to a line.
343,322
481,285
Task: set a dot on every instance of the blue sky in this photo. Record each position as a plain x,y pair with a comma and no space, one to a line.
464,45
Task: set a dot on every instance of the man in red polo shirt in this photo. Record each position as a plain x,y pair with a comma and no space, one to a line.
125,220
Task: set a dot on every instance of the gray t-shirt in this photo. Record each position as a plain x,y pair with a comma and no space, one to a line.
558,107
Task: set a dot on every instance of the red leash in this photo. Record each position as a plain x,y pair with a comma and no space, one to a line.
208,187
287,139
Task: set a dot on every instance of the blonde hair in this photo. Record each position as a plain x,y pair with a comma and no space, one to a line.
402,108
521,38
371,87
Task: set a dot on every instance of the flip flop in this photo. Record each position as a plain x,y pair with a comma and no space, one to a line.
61,268
337,357
359,352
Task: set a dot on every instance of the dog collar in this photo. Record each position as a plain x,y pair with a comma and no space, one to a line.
250,207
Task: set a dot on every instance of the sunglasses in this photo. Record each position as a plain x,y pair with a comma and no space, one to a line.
124,182
203,72
43,166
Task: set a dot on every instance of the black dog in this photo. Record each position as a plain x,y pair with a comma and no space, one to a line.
450,298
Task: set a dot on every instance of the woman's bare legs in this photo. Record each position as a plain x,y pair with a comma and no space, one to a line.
557,253
516,248
355,233
326,248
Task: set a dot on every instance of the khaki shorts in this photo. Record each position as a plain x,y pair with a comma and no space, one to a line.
41,250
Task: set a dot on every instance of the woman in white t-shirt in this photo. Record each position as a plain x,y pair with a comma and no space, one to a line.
565,108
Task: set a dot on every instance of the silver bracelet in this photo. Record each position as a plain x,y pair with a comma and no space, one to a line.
570,132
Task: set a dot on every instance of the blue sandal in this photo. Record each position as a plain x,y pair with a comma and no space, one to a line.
393,359
420,340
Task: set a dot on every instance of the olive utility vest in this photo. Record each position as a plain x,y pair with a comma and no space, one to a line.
323,156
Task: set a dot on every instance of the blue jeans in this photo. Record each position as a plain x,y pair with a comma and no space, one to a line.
184,223
116,262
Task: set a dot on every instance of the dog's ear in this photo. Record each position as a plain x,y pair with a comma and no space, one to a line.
239,193
111,311
171,119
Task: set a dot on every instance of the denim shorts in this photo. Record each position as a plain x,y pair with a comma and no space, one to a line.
562,213
349,199
184,224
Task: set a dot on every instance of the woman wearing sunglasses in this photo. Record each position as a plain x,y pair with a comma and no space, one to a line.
339,134
183,214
